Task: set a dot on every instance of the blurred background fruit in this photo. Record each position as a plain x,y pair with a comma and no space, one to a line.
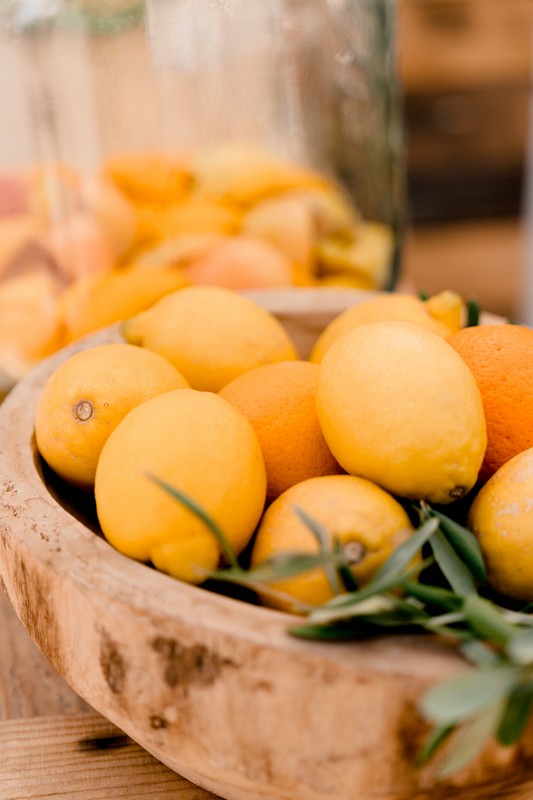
209,139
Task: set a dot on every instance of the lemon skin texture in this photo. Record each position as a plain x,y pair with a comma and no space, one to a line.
397,406
201,445
211,335
441,315
367,521
87,396
501,516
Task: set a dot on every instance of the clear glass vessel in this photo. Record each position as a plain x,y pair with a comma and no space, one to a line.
245,143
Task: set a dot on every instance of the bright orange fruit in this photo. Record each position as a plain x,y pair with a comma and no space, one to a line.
279,402
501,360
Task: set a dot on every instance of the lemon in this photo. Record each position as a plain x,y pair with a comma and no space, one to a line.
366,520
94,301
86,397
398,406
201,445
211,335
502,518
440,314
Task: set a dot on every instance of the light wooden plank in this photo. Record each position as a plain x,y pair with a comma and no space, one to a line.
82,757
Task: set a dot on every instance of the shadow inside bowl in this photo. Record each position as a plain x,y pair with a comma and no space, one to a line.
78,503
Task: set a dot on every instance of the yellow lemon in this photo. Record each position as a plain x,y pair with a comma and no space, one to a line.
211,335
397,406
87,396
94,301
502,518
367,522
365,255
201,445
440,314
30,326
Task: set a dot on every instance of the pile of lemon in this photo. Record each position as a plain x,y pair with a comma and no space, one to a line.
79,250
208,394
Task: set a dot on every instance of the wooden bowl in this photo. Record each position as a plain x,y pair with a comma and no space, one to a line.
213,687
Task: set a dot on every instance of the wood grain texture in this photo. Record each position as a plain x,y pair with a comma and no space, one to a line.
82,757
29,685
212,687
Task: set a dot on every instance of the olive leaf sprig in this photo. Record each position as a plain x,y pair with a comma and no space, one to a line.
430,584
494,698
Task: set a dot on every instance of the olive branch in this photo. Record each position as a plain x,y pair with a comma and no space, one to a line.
433,583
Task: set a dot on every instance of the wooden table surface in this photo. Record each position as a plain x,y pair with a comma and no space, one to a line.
54,746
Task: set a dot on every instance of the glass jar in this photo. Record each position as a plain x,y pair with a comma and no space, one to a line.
153,144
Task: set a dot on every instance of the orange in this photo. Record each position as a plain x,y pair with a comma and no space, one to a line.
279,402
501,360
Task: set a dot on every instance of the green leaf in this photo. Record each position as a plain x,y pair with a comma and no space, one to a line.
423,295
465,544
451,618
338,633
472,313
453,569
478,653
345,573
241,578
516,714
403,555
321,535
471,740
517,617
434,596
469,693
487,621
375,605
278,568
520,647
436,738
345,604
202,515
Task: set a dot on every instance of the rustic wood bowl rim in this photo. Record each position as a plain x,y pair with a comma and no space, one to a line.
81,556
